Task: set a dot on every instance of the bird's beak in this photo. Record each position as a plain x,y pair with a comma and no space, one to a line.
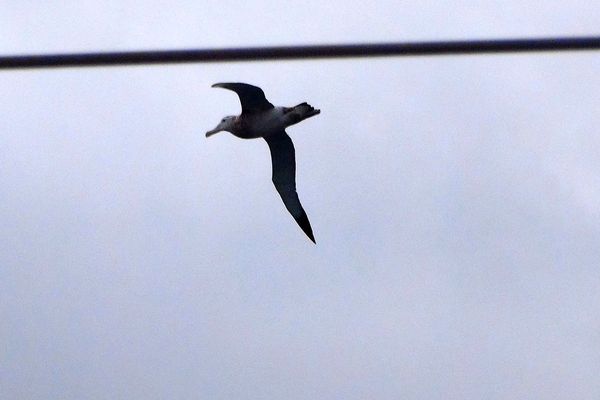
212,132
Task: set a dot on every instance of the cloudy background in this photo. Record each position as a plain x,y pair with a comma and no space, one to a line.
455,202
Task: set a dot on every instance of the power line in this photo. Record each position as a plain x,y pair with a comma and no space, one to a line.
299,52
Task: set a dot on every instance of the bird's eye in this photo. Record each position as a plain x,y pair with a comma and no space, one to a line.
223,120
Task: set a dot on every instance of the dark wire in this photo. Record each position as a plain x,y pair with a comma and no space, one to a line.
299,52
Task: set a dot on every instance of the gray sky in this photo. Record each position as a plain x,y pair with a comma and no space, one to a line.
455,202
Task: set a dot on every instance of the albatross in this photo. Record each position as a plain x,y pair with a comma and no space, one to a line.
259,118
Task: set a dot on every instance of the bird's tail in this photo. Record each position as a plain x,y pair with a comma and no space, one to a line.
301,112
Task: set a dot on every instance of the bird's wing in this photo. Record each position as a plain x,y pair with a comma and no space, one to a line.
283,159
252,98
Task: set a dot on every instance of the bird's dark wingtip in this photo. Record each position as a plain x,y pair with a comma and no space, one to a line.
310,236
304,224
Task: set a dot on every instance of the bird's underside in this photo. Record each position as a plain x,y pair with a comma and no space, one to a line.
260,118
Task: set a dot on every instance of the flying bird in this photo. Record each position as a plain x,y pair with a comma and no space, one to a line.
259,118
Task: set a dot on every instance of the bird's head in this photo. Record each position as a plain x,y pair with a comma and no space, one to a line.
226,124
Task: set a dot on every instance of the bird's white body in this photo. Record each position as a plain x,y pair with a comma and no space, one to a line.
265,123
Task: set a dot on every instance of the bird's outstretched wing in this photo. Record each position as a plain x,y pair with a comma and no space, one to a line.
283,159
252,97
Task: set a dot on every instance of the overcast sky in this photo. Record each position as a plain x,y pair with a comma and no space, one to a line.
455,202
